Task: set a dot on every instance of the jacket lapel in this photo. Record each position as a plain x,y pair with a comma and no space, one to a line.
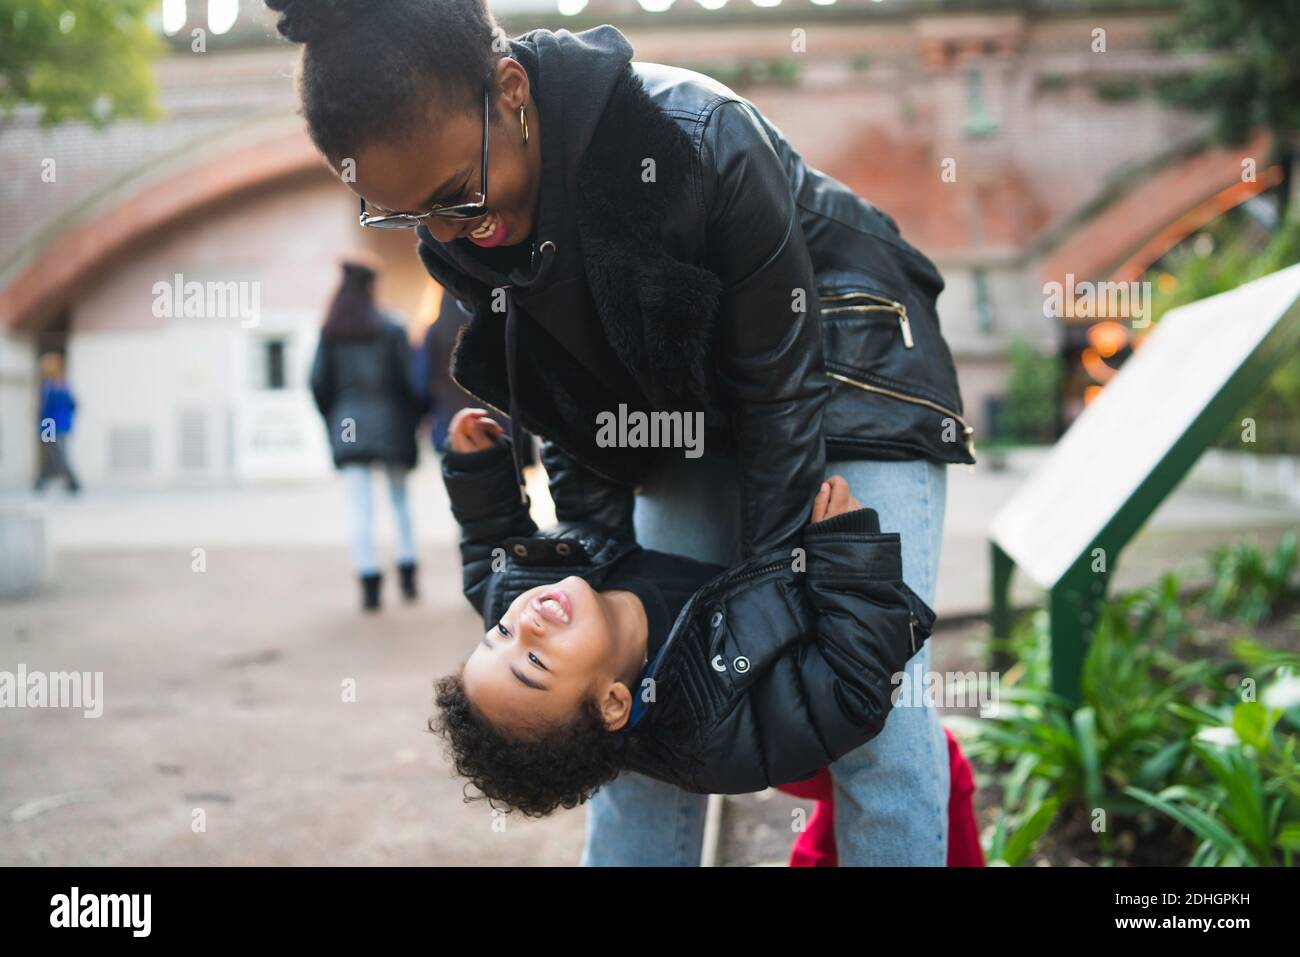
657,311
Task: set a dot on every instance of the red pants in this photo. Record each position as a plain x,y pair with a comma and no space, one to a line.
815,847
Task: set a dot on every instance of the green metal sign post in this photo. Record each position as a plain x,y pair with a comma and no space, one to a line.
1129,449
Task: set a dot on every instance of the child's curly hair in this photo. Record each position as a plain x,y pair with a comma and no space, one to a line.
561,766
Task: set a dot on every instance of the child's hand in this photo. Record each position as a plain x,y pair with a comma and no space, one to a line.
472,430
834,498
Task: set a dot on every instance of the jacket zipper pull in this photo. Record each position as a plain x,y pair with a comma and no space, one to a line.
970,446
911,629
904,324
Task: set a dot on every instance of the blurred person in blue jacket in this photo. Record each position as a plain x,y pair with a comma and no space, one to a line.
58,409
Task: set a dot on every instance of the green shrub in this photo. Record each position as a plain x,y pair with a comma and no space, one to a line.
1248,585
1033,394
1248,813
1158,732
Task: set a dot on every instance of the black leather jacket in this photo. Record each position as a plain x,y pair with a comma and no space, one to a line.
740,281
772,670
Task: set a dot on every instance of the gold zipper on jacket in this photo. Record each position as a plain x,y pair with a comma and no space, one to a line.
967,430
884,305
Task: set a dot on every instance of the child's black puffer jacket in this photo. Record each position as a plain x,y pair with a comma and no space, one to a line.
772,670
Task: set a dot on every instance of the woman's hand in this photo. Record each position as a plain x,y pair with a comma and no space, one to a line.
473,430
834,498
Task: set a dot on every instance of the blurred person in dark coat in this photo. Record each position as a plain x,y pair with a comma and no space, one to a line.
361,382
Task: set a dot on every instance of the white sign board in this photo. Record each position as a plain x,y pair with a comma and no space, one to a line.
1126,432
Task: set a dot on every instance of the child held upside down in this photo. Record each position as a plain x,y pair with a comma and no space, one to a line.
602,657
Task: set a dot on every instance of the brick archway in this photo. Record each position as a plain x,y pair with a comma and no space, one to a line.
53,276
1174,199
1126,234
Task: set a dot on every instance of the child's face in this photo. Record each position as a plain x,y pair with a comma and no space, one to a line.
535,666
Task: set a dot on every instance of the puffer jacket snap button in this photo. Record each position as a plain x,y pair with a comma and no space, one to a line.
741,664
562,548
520,549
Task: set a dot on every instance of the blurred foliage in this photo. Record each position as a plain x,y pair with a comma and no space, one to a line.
1248,585
1255,80
1029,411
782,72
1118,89
1159,729
78,60
1226,254
1248,814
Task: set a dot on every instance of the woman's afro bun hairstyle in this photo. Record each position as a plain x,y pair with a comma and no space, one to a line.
302,21
372,69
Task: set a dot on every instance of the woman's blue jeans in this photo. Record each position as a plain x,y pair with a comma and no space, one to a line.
356,475
891,794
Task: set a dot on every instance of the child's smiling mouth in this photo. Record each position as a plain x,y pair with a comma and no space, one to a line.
554,605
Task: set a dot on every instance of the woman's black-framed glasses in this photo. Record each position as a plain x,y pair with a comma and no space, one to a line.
472,210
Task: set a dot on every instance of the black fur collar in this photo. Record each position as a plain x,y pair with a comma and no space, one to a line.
657,312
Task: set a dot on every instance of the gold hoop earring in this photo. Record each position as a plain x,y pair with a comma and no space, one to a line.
523,123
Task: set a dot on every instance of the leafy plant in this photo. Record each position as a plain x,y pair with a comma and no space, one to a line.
1121,734
1248,585
1154,732
1248,814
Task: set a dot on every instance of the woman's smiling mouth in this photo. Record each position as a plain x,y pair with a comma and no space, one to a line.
491,232
554,605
